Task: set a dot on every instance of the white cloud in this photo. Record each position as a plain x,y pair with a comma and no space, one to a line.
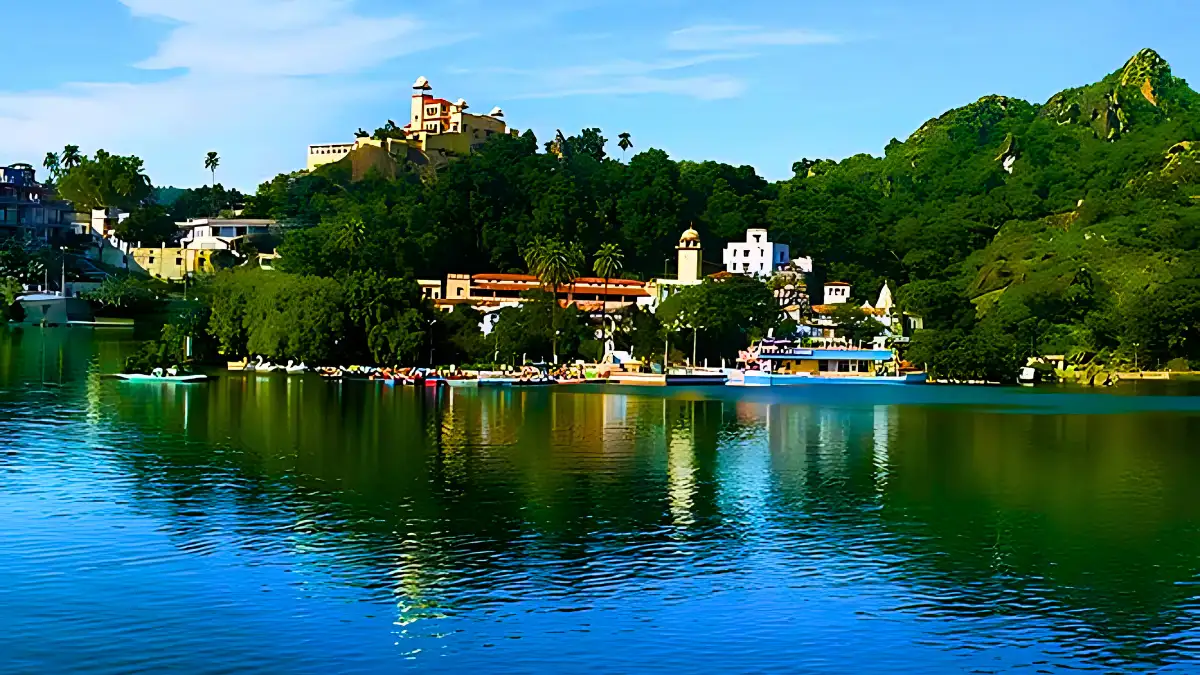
723,38
254,82
703,87
626,77
279,37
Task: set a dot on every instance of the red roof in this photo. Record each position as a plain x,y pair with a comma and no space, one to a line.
529,278
502,276
576,290
828,309
837,283
611,282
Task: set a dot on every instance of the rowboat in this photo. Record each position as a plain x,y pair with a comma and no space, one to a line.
463,382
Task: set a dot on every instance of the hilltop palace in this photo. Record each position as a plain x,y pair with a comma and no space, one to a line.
436,128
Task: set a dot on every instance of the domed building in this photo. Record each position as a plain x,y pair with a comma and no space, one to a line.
690,258
690,268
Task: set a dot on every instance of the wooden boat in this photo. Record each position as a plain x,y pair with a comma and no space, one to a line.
497,381
696,377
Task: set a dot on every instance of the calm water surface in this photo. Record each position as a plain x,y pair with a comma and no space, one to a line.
291,525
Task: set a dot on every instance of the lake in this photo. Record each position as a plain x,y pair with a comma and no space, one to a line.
267,523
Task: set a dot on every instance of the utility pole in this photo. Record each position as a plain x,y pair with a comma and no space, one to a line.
666,348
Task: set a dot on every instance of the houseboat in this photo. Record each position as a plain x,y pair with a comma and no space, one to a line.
781,364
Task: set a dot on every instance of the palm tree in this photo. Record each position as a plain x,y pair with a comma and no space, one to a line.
70,157
625,144
211,162
555,264
53,165
608,263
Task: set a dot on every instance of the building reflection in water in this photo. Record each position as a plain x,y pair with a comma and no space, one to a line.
882,434
681,463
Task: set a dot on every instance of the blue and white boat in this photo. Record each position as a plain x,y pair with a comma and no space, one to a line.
786,365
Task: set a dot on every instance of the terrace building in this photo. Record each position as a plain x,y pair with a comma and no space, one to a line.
31,209
496,290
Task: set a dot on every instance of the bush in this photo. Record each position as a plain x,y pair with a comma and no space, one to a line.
1179,365
125,295
10,309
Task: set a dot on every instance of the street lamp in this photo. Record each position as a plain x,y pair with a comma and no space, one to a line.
695,334
431,322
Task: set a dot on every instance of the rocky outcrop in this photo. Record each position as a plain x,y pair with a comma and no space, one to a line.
1141,92
1146,71
1183,163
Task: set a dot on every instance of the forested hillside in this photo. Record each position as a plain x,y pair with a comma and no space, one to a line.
1014,228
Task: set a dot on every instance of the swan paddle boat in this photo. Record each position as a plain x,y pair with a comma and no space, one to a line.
161,375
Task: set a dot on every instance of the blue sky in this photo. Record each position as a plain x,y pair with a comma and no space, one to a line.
759,82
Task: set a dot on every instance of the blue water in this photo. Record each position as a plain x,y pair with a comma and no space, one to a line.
292,525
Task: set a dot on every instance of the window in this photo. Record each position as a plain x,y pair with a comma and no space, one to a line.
823,366
179,261
864,366
151,262
782,257
757,238
460,290
747,253
843,366
745,267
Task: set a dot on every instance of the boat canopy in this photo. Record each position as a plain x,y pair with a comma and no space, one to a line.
798,354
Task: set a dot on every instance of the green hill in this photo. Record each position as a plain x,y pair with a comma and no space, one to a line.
1071,226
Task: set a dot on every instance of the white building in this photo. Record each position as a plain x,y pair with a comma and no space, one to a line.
757,256
213,234
898,324
837,292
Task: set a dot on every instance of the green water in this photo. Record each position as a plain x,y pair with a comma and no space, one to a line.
292,524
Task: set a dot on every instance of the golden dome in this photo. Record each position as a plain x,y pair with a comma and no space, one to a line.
690,235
